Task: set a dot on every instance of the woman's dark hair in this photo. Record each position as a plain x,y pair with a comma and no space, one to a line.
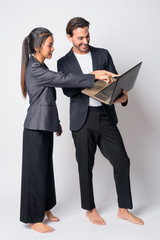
34,40
75,23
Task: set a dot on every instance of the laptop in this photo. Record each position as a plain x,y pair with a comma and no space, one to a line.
108,93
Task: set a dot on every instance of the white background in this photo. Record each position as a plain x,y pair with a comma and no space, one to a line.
130,30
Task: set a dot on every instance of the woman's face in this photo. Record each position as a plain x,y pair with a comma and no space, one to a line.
46,49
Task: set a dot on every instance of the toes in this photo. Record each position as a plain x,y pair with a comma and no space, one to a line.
41,228
54,219
52,230
99,222
140,221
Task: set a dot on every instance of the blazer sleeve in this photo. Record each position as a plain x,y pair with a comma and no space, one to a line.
111,67
48,78
69,92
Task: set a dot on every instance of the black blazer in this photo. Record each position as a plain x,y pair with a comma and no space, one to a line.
42,113
102,60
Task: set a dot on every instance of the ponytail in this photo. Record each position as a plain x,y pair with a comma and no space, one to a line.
24,62
34,40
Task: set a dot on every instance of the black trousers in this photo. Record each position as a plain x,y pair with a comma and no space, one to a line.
37,187
99,131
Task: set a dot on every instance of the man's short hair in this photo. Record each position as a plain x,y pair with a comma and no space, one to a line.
75,23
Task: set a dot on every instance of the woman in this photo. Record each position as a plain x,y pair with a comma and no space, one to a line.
38,190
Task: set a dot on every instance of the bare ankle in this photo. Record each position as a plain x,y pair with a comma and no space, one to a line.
92,210
122,210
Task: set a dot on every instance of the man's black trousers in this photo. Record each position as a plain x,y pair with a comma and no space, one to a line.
99,131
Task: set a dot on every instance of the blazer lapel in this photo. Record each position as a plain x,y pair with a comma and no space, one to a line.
75,65
74,62
94,58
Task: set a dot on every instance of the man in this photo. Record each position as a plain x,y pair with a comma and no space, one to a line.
93,123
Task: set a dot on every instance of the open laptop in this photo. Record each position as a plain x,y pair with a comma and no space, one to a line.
108,93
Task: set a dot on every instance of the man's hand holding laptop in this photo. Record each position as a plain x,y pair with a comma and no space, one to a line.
123,98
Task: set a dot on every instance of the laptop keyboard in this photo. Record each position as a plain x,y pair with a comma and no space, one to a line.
106,93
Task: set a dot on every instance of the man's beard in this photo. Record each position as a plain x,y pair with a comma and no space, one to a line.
81,49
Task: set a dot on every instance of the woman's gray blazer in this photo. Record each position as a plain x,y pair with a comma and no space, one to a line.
42,113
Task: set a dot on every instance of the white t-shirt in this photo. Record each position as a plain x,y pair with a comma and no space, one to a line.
85,62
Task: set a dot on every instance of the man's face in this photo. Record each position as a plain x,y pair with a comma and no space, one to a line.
80,40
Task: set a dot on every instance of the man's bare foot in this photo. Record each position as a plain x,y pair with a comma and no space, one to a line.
94,217
41,227
126,215
51,217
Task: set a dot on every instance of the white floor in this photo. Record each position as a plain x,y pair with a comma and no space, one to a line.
75,226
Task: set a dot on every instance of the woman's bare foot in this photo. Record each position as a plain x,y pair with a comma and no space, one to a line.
51,217
126,215
41,227
94,217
